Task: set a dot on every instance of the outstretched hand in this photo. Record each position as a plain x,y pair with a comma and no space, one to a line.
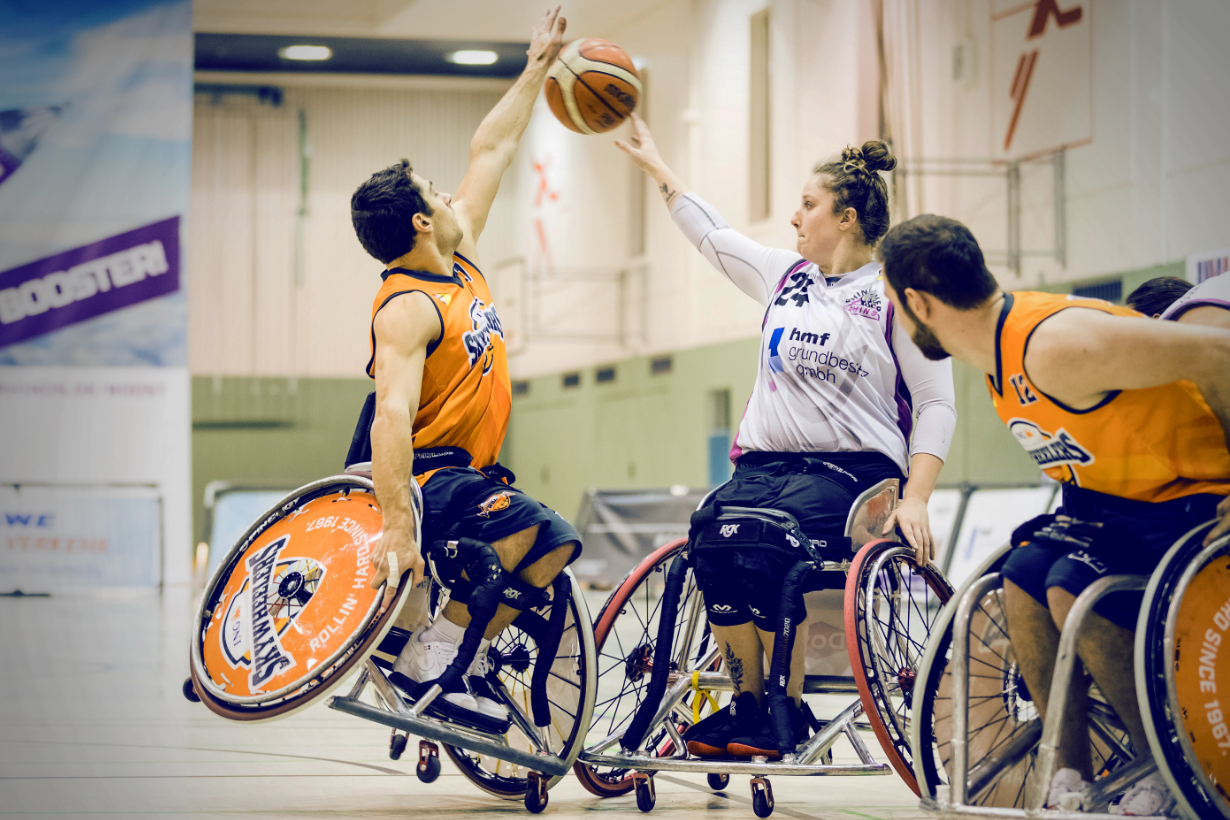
640,146
912,517
548,37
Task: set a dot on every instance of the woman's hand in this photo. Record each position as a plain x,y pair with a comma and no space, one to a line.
642,149
912,518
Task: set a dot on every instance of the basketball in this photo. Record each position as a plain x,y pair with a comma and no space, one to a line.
593,86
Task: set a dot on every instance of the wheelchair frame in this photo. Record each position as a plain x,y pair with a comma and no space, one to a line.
689,675
968,784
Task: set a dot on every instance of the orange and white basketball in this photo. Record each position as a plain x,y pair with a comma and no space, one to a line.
593,86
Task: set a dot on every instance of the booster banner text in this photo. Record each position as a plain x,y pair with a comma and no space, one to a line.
86,282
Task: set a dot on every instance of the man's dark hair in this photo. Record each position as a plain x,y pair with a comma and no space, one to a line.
1154,296
939,256
382,209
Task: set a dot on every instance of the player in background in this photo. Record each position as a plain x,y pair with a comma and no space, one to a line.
831,414
442,388
1132,416
1157,294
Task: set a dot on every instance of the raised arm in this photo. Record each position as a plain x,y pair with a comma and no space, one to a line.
495,142
403,330
754,268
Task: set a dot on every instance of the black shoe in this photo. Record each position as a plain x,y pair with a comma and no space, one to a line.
762,741
709,737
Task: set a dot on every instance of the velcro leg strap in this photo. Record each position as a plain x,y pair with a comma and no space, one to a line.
790,614
521,595
634,735
482,563
548,649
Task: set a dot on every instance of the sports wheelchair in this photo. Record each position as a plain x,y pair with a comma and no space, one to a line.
659,665
289,615
980,747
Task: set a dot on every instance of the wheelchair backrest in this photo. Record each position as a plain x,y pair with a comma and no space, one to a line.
870,512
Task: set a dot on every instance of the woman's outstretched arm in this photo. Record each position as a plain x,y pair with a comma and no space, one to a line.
754,268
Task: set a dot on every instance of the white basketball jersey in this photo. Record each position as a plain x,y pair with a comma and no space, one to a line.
1215,291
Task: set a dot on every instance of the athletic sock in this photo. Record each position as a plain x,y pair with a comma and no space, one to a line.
443,630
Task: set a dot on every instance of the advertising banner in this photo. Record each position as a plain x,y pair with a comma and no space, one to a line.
95,167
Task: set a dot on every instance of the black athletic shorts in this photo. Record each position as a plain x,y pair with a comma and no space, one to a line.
818,490
486,509
1040,564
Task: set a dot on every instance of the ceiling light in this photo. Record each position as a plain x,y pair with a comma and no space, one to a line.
305,52
472,57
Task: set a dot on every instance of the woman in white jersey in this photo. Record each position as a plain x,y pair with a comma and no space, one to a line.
838,387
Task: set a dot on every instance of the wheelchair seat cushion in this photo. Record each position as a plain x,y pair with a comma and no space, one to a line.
463,502
1094,535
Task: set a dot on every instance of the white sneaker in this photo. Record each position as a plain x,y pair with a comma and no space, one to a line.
1065,781
484,693
423,663
1147,797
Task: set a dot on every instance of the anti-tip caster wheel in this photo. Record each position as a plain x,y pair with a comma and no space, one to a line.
429,761
397,745
646,794
536,795
762,796
190,692
717,782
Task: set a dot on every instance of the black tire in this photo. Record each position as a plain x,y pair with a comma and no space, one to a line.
428,770
397,745
717,782
190,692
645,797
762,804
534,802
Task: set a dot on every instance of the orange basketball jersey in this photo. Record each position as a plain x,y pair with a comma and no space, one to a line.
466,395
1149,445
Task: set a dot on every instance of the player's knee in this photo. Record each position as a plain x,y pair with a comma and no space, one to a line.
545,570
511,548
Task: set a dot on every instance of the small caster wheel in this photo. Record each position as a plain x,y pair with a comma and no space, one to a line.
397,745
536,795
718,782
762,796
429,762
646,794
190,692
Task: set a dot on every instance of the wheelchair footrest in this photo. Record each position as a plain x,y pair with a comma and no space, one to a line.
470,740
707,765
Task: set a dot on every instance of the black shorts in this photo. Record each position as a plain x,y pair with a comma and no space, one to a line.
818,490
488,510
1041,565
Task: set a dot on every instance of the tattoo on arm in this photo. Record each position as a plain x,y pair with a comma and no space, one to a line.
668,193
735,667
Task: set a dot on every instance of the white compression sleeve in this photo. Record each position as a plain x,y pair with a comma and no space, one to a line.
933,394
755,268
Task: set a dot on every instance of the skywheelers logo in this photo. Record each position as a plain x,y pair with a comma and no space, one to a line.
268,657
478,341
1046,449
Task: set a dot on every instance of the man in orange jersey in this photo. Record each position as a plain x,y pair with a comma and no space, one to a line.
1132,415
443,394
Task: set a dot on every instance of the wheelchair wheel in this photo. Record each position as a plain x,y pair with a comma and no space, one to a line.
626,634
570,692
891,606
1004,725
1187,599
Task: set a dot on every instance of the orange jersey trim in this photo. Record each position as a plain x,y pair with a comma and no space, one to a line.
1149,445
466,393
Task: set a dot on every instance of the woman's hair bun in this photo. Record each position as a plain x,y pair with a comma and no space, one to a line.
876,156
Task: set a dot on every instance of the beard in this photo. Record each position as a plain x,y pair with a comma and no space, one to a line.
924,338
